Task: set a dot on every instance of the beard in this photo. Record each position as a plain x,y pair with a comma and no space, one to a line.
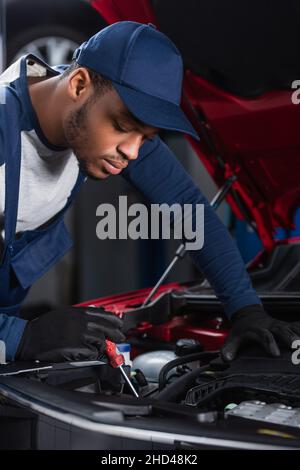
84,168
75,130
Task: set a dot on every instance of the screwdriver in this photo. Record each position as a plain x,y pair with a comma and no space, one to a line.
117,360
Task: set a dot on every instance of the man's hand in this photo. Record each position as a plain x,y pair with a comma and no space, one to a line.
253,324
69,334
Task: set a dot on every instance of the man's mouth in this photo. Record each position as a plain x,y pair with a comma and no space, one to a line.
112,167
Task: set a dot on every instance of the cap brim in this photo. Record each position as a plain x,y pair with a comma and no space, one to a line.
155,111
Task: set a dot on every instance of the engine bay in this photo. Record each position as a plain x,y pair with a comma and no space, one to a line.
188,397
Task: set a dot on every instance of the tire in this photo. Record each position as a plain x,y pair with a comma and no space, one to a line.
52,43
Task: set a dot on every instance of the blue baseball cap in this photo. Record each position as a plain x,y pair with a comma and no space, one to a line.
145,68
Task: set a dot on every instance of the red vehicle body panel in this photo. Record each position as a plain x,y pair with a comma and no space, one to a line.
257,139
120,10
208,331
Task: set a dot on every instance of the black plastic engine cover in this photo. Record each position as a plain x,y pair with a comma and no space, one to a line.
251,375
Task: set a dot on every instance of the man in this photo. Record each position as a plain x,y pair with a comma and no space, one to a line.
101,117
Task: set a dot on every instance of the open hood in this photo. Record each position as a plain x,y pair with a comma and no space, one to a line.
240,93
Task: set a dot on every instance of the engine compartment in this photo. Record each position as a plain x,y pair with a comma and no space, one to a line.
188,396
252,402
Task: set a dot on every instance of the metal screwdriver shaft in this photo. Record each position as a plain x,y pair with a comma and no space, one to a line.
116,360
128,382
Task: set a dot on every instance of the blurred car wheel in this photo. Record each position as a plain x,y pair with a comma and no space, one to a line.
54,44
51,29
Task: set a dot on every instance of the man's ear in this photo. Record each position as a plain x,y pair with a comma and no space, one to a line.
79,84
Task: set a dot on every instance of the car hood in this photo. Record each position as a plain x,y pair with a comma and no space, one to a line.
244,111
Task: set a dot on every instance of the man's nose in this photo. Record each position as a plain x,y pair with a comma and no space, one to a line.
130,147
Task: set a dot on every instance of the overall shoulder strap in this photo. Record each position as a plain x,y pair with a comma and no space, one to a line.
11,116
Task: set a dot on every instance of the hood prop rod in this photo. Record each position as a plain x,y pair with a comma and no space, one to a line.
180,252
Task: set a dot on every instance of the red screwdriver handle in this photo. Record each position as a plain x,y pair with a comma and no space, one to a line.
115,359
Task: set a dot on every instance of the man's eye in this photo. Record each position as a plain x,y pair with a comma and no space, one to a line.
118,127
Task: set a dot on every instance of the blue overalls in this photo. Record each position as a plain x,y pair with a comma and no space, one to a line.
29,256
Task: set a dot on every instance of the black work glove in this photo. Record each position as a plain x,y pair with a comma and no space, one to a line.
253,324
69,334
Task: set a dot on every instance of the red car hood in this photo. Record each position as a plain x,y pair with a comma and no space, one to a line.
251,133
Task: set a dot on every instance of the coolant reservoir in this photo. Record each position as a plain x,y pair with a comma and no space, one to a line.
151,363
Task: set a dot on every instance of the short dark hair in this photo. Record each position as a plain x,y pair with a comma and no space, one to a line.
101,84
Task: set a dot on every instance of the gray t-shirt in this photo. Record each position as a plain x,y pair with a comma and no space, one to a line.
47,176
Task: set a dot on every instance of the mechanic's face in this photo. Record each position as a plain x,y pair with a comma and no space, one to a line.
100,130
